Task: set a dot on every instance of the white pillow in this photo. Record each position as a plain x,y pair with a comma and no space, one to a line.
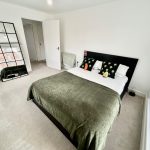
122,70
97,65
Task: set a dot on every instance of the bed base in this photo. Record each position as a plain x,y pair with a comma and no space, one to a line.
56,123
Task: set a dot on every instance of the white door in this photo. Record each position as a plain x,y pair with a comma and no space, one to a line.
51,32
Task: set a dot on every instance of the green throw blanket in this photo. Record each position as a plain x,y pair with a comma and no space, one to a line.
84,108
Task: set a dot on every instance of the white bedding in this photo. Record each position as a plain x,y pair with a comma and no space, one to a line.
116,84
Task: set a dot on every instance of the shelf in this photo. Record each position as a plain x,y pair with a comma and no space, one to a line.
19,60
6,22
6,33
10,43
11,52
3,62
6,52
10,61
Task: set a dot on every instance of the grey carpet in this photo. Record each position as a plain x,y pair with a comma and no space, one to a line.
24,127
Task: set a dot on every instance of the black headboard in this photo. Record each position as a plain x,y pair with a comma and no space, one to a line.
130,62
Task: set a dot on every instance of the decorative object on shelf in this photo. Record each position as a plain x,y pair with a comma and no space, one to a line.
11,58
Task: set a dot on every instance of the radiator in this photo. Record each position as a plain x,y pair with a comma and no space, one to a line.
69,60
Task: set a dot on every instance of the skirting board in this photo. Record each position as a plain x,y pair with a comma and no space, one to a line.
139,93
145,134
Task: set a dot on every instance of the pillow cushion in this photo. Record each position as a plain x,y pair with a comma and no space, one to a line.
109,67
122,70
88,63
97,66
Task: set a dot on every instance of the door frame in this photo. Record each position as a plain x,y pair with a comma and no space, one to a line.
31,25
41,21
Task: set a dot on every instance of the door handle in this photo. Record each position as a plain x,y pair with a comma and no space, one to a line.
58,48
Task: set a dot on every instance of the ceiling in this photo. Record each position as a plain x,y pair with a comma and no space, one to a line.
59,6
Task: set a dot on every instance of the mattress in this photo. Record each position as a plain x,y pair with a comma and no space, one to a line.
117,84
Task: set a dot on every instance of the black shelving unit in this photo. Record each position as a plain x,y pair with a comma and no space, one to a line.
12,64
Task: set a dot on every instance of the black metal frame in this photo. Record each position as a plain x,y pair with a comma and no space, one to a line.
9,43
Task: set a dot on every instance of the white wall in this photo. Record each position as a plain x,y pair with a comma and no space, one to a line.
120,27
13,13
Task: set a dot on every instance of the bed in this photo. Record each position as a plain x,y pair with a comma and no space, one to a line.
82,105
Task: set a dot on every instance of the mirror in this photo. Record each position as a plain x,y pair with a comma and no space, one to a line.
15,47
10,64
1,27
10,52
20,62
2,59
9,57
3,38
18,56
6,48
9,28
12,38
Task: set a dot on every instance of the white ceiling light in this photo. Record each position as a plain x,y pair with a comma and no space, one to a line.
50,2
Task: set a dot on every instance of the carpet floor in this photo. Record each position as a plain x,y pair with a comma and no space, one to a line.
24,127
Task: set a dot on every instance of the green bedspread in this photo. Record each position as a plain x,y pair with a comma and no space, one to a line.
84,108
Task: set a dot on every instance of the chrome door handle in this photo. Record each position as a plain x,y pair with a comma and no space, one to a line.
58,48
